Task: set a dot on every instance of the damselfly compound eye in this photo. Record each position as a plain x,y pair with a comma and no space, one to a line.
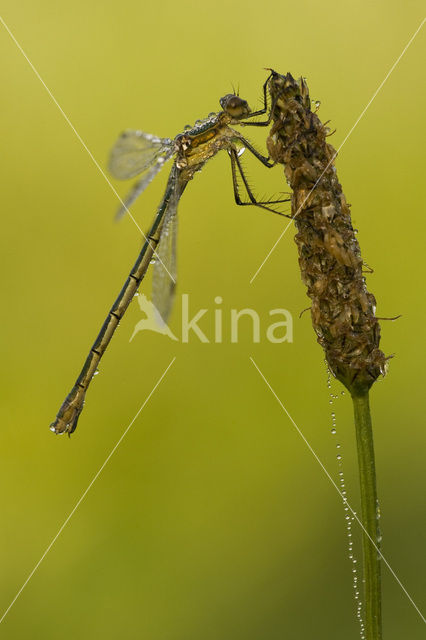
235,106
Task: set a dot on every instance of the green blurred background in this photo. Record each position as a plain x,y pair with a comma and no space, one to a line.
212,519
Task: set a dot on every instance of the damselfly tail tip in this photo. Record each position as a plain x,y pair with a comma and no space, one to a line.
69,413
59,427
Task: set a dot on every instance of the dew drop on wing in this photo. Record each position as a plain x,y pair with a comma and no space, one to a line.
134,152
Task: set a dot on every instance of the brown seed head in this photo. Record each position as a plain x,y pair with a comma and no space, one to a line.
343,311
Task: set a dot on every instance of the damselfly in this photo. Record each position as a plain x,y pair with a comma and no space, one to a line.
137,153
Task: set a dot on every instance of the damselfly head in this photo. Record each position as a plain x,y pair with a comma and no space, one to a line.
235,106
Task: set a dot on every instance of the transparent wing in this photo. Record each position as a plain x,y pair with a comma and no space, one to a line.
136,151
165,272
142,184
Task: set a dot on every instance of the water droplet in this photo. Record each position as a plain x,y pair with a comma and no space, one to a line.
348,517
96,373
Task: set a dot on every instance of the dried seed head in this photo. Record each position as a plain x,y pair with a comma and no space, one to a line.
343,311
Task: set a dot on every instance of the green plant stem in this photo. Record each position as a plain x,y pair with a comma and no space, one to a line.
370,512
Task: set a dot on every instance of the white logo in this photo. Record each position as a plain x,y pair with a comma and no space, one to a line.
153,320
276,332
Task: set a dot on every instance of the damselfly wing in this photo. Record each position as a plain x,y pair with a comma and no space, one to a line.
134,153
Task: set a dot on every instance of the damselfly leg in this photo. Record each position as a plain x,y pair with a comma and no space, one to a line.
262,111
237,168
